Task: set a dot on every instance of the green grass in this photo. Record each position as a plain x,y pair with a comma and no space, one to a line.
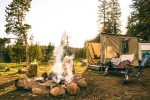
10,65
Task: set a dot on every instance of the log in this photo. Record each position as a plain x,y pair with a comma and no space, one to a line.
57,91
73,89
40,89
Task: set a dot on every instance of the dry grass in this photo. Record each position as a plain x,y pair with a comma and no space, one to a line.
99,87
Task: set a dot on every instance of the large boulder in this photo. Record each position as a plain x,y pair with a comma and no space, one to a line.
24,83
40,89
33,68
73,89
57,91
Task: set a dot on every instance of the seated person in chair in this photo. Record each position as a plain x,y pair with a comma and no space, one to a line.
113,62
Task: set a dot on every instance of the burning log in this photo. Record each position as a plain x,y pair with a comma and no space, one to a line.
73,89
32,70
25,83
22,71
40,89
57,91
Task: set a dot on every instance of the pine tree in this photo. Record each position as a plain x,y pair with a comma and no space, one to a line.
109,16
103,15
141,19
15,18
115,14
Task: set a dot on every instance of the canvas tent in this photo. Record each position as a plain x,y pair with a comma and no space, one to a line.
101,48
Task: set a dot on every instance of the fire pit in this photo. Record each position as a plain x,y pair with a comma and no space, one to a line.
60,81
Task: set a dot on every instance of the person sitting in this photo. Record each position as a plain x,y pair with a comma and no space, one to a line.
113,62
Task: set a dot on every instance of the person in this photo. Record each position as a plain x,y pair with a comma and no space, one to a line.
112,63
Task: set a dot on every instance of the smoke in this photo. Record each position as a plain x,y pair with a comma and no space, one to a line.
62,67
68,68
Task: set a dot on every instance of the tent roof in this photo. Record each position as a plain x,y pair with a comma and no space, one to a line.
97,38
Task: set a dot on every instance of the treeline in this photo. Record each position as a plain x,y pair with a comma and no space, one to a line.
139,19
16,53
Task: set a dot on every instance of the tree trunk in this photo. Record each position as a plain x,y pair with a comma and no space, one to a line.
27,48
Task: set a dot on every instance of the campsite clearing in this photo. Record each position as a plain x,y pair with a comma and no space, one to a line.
99,87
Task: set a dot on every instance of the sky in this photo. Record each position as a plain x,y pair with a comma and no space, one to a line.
50,18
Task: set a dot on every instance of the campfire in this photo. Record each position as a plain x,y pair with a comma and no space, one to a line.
61,80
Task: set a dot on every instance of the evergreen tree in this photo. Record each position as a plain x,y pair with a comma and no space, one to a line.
49,52
15,18
115,14
140,19
109,16
35,52
103,15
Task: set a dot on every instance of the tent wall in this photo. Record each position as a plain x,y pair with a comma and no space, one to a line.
108,44
93,52
114,43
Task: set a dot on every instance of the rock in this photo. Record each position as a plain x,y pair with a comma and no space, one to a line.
32,70
73,89
7,69
24,65
44,75
40,89
39,79
51,75
76,78
22,71
25,83
57,91
51,83
82,83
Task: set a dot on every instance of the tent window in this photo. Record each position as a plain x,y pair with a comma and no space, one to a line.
125,46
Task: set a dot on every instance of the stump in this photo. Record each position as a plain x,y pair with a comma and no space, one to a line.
57,91
32,70
73,89
24,83
40,89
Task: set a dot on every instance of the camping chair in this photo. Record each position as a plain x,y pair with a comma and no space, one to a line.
125,60
138,72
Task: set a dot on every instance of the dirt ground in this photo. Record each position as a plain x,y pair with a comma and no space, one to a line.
99,88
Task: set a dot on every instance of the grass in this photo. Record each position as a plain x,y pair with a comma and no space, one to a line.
99,87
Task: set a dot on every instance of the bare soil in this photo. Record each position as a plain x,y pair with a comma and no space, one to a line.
99,88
